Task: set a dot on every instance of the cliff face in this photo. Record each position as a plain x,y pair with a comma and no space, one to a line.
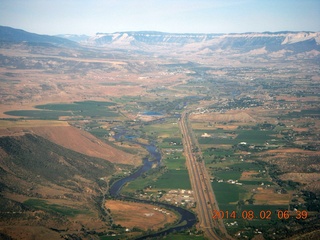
245,42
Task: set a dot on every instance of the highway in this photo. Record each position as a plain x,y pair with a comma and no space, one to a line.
201,186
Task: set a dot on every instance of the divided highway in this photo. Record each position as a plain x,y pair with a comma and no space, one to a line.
200,182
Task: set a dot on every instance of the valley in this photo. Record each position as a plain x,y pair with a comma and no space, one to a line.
77,117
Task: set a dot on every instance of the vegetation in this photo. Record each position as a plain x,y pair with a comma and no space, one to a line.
173,179
40,204
93,109
46,162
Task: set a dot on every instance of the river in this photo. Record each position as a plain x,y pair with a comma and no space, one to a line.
187,220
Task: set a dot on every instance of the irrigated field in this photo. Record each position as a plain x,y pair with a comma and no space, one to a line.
245,162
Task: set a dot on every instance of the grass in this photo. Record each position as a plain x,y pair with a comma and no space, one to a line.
99,132
181,236
227,193
249,136
227,141
258,208
254,136
226,175
39,114
175,161
304,113
92,109
86,108
121,236
54,208
217,152
174,179
256,182
246,166
164,130
227,207
173,144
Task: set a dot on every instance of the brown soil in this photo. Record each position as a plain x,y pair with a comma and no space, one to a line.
29,232
248,175
77,140
293,150
233,115
227,127
269,197
143,216
311,180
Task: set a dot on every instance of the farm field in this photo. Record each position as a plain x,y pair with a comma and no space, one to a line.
173,179
92,109
138,215
244,177
74,120
174,160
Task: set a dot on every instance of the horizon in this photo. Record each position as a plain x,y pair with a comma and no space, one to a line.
152,31
168,16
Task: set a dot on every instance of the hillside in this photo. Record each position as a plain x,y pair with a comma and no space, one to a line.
67,136
8,34
30,158
85,143
45,187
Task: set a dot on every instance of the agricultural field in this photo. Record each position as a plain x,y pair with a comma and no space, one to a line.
139,216
245,176
173,179
92,109
55,208
174,160
73,121
173,173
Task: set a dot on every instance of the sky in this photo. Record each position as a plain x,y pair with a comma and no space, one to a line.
180,16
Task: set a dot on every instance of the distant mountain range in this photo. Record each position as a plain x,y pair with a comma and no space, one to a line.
12,35
291,42
244,42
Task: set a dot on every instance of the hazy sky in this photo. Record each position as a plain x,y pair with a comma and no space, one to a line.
196,16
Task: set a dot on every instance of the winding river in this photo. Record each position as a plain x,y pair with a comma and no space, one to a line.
187,220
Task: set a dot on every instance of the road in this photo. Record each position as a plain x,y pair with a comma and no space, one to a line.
200,182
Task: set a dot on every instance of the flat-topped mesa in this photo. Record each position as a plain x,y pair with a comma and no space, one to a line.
295,41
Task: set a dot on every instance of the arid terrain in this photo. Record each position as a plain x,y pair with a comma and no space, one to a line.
76,118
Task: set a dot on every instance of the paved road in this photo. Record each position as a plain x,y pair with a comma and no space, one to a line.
201,186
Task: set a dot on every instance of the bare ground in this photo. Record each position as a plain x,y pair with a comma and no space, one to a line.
72,138
143,216
232,115
269,197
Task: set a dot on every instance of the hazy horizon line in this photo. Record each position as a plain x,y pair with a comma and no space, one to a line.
167,32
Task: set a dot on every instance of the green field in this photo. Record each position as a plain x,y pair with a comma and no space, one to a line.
226,175
168,129
256,182
257,209
182,236
217,152
304,113
254,136
38,114
54,208
91,109
227,193
173,179
175,161
99,132
86,108
171,143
